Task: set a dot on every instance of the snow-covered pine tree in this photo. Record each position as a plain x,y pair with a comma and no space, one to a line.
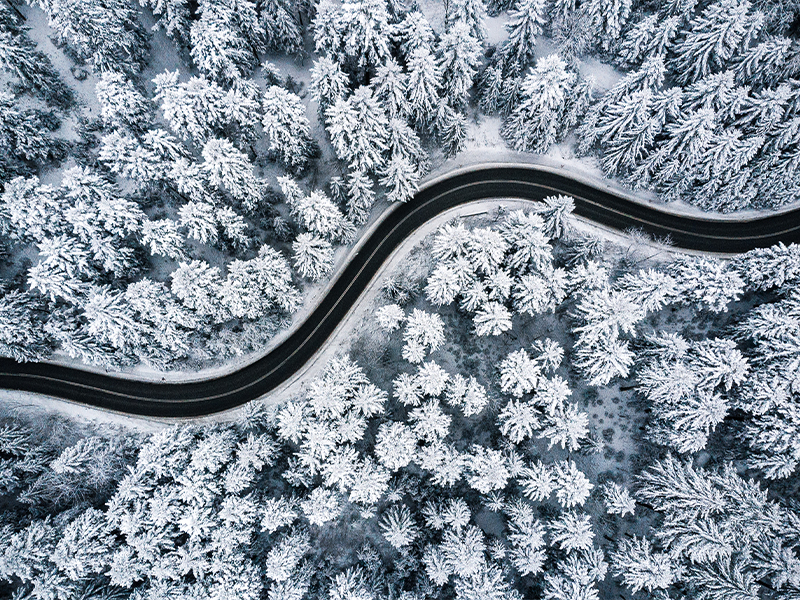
282,32
286,124
34,70
391,88
312,256
199,287
459,54
328,83
364,29
606,19
360,196
105,33
121,104
260,285
723,30
173,17
471,13
538,121
225,39
358,130
229,169
401,178
424,83
414,32
452,128
524,26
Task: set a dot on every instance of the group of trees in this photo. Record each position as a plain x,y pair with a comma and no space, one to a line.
87,235
244,508
347,492
706,112
385,83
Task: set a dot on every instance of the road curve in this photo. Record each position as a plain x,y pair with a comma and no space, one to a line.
530,182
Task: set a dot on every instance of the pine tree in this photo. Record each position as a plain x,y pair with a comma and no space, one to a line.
429,422
200,221
573,531
424,83
572,486
35,71
402,140
452,128
471,13
121,104
360,196
21,335
282,32
358,130
714,37
110,320
398,527
105,33
225,39
173,17
287,126
389,317
538,121
31,211
414,32
193,108
400,178
328,83
459,54
524,26
259,285
313,256
492,319
464,551
228,168
395,445
391,87
364,29
606,18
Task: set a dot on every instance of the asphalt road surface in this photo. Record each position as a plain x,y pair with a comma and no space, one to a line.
210,396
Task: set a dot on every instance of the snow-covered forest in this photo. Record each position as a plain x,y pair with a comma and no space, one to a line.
526,407
458,449
178,176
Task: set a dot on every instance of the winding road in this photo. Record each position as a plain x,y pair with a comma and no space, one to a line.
530,182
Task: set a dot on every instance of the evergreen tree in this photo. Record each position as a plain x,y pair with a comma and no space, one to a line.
471,13
287,126
606,18
105,33
391,88
173,17
21,335
282,32
227,168
714,37
313,256
220,49
193,109
424,82
35,71
121,105
328,83
539,120
358,130
414,32
363,26
524,26
400,178
259,285
459,54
